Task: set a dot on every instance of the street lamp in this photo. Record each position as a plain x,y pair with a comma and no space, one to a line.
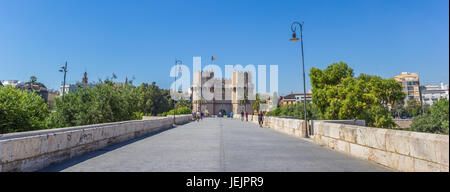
64,70
295,39
178,69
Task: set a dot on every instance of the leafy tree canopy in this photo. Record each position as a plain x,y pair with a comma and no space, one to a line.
339,95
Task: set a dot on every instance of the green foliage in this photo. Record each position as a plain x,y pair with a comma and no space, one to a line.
179,111
153,100
339,95
434,122
103,103
296,110
107,102
21,111
399,111
413,108
183,103
257,103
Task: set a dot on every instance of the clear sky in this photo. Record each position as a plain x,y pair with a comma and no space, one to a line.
142,38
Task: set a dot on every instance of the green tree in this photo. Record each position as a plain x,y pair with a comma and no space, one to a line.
106,102
437,121
339,95
398,111
256,105
21,111
297,110
413,108
152,100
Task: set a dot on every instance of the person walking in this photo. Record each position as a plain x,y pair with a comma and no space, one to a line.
198,116
231,114
260,119
246,116
242,115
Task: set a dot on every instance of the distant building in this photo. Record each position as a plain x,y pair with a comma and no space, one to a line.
220,88
433,93
67,88
294,98
411,85
73,87
38,88
12,83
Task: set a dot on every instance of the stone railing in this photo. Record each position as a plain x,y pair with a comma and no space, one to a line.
400,150
293,126
290,126
34,150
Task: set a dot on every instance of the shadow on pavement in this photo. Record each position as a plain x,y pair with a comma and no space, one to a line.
57,167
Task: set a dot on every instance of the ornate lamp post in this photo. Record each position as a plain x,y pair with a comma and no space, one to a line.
295,39
64,70
178,69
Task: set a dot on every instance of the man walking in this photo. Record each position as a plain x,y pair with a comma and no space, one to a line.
242,115
260,119
246,116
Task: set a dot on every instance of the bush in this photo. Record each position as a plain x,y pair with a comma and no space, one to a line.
100,104
179,111
435,122
21,111
296,110
106,102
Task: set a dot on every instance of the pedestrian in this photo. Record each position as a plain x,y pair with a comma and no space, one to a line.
242,115
220,114
231,114
260,119
198,116
246,116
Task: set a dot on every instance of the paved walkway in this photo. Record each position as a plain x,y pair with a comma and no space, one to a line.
216,144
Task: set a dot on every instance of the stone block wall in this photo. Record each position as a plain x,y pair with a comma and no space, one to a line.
34,150
293,127
400,150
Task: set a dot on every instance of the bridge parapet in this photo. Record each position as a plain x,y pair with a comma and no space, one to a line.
34,150
400,150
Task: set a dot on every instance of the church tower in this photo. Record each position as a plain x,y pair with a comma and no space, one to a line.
85,79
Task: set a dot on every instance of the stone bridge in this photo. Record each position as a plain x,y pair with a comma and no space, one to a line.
217,144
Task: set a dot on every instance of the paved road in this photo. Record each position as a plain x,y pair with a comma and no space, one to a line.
216,144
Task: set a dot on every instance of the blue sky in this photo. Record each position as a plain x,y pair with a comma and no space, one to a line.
142,38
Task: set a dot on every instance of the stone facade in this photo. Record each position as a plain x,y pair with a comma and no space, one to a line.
224,93
34,150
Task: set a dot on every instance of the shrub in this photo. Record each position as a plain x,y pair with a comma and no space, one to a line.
21,111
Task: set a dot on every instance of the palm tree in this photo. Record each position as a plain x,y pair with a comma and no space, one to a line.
33,79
